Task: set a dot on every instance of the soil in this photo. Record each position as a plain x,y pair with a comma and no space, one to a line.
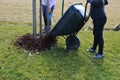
29,43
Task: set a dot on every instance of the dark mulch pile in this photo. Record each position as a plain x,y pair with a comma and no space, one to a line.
28,42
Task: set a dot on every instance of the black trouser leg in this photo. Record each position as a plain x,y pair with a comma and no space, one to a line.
98,33
95,42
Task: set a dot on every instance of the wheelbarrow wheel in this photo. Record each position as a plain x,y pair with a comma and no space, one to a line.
72,42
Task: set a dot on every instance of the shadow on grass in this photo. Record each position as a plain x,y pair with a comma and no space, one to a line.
71,65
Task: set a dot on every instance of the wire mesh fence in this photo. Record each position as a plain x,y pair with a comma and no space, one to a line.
21,11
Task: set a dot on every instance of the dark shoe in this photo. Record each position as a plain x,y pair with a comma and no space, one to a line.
91,50
98,56
44,32
47,30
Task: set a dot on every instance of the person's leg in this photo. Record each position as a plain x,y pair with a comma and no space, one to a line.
95,30
95,41
50,16
44,8
49,19
100,25
102,22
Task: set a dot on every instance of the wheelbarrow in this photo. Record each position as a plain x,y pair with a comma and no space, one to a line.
70,24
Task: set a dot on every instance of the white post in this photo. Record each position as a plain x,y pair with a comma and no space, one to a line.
34,17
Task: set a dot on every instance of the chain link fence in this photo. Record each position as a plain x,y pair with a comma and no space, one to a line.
21,11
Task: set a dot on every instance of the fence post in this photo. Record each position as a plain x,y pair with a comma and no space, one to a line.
40,13
62,7
34,17
48,21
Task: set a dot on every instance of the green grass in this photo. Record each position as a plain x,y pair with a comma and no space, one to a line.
57,64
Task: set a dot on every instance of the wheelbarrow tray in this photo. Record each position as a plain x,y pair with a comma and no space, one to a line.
71,22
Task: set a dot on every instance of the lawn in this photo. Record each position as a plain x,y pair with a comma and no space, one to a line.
56,64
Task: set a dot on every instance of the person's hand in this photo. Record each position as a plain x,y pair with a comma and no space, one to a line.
89,1
50,10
